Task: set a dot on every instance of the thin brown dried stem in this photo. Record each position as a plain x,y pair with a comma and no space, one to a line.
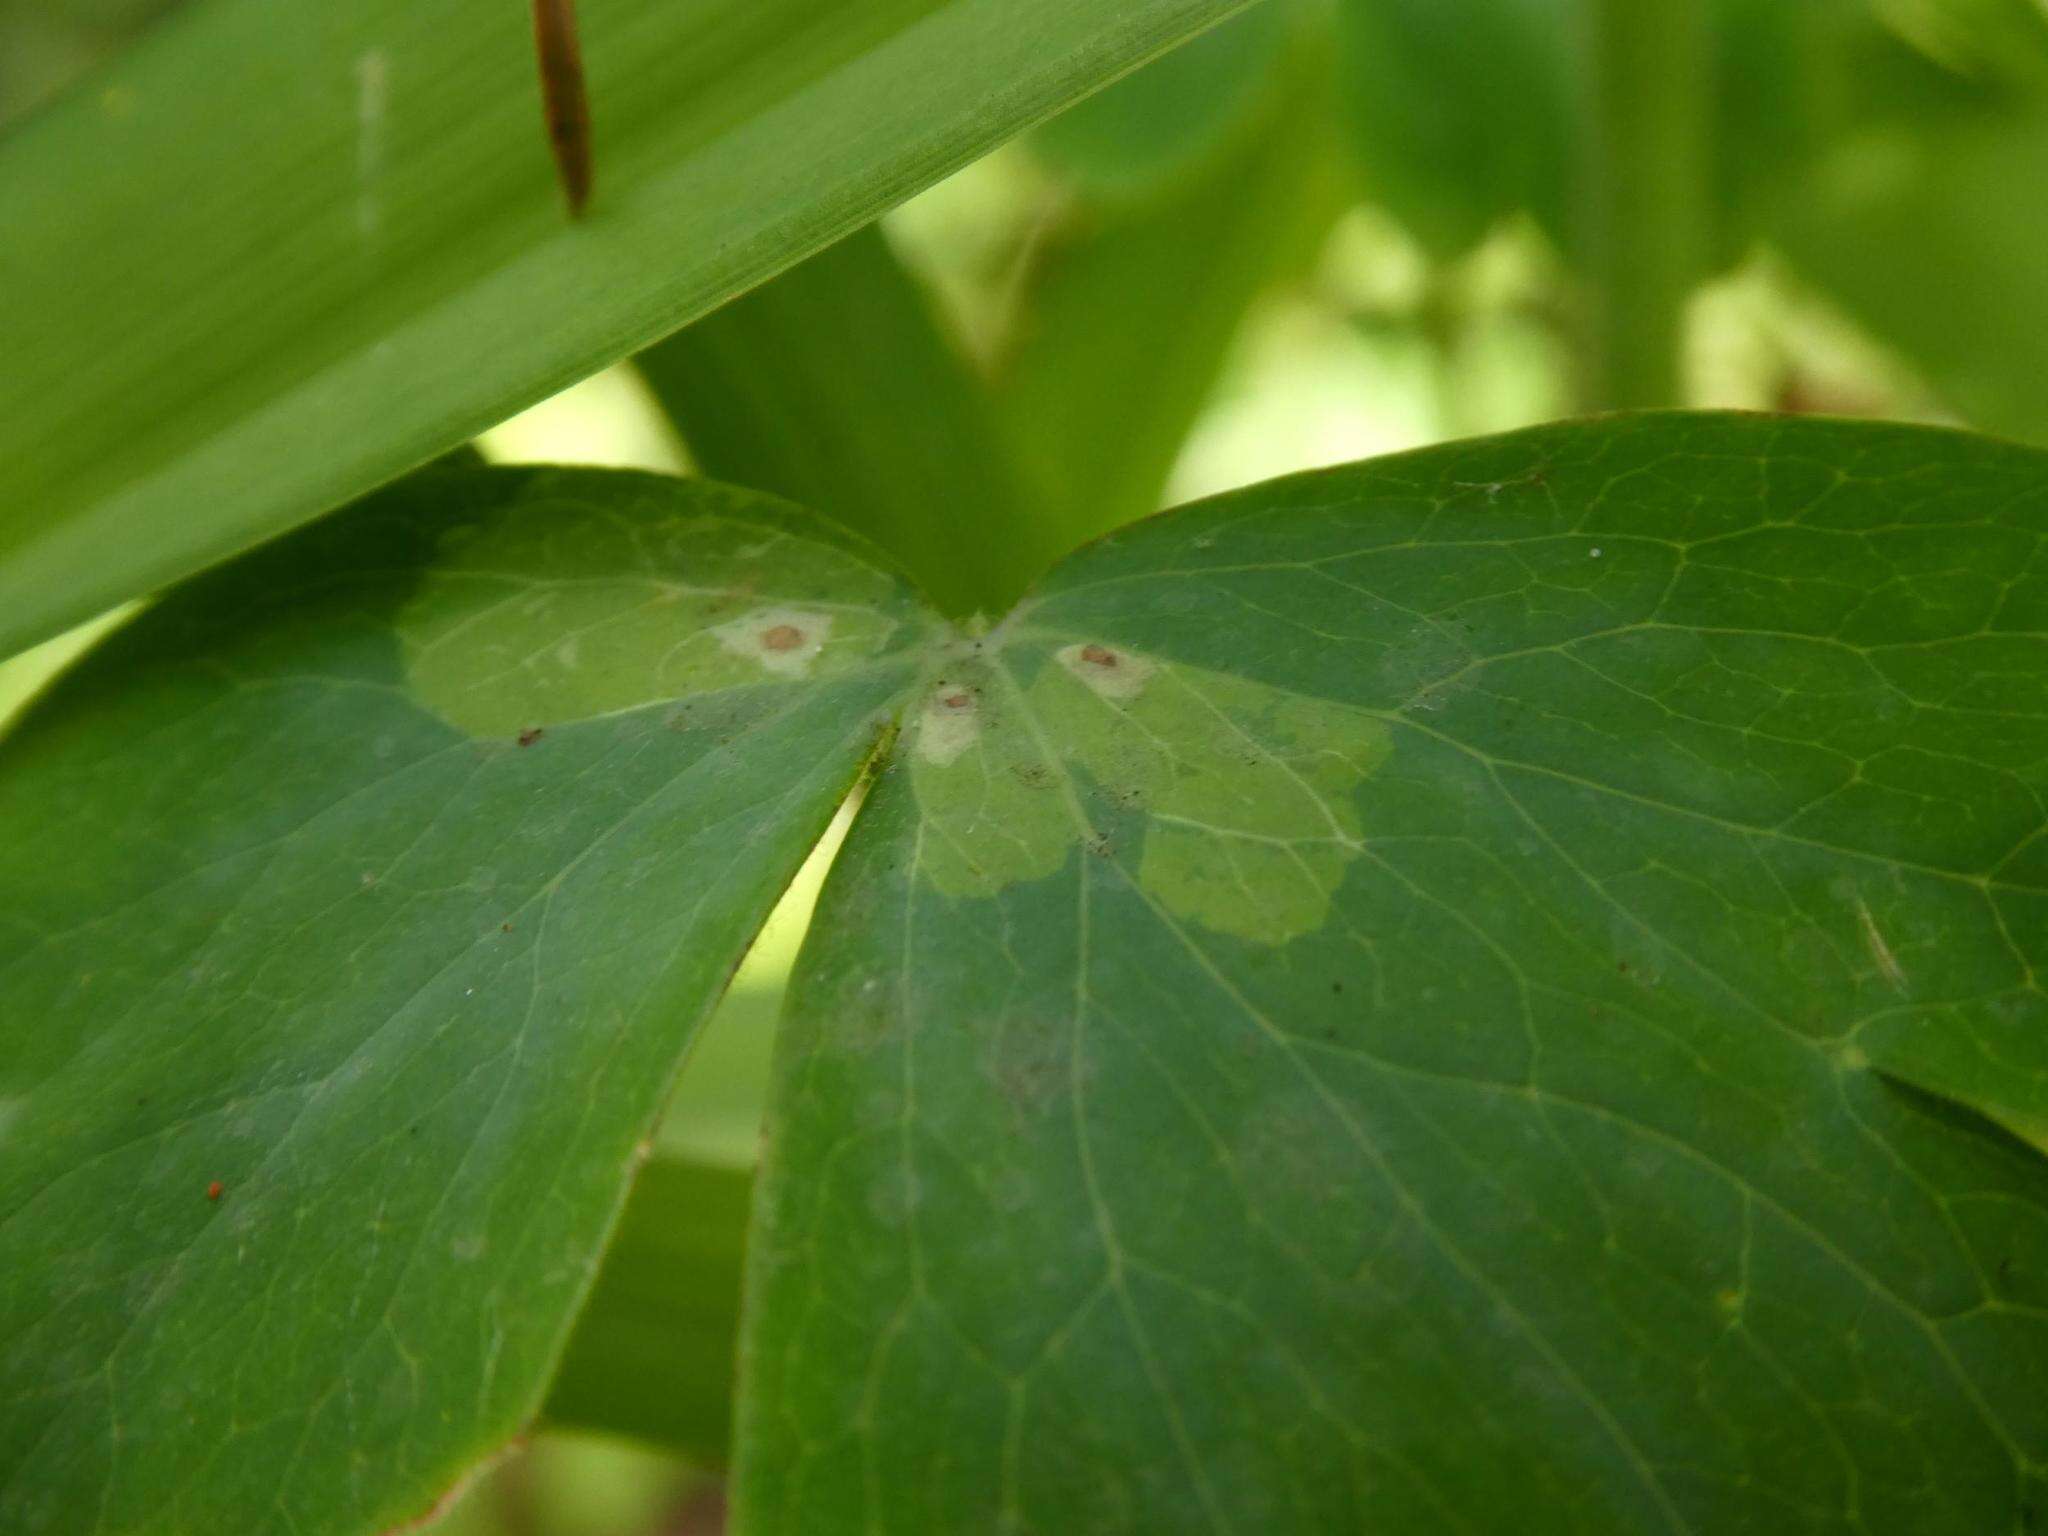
563,96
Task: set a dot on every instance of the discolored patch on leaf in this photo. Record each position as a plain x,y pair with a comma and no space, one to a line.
1119,676
993,804
1237,795
635,610
781,641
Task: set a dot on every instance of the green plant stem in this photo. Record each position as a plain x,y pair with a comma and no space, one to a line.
1649,77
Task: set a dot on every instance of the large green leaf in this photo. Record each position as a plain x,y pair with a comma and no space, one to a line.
1361,1008
1494,989
284,252
356,907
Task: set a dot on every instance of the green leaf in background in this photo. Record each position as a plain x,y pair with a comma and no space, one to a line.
223,322
1377,1004
834,387
1881,160
1876,144
1464,111
652,1354
1172,116
1959,293
1132,320
357,906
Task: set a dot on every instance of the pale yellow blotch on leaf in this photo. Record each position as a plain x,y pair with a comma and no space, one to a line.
1115,674
1241,794
993,809
783,641
949,725
553,611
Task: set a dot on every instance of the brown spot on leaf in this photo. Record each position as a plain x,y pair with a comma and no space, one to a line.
215,1190
528,737
1098,656
783,637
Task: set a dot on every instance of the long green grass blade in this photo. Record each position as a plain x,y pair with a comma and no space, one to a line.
285,251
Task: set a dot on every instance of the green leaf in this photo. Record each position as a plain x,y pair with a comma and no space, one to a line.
1463,111
1358,1009
652,1354
46,45
1958,290
1132,323
357,906
224,320
833,386
1172,116
1377,1003
1843,143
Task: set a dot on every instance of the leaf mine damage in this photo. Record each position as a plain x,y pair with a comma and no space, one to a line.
1240,793
783,641
638,610
949,726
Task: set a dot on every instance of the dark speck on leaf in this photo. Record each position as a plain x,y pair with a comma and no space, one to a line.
528,738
